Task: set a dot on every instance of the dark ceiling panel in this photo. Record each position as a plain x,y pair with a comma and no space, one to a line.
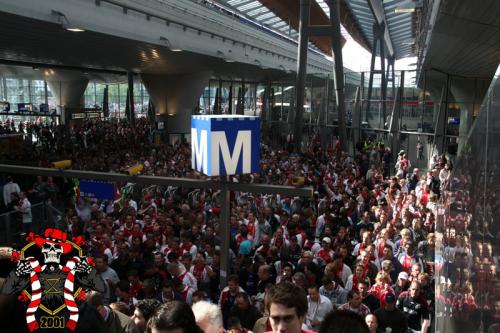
466,38
24,40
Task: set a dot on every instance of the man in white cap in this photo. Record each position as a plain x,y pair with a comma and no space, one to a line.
401,284
325,254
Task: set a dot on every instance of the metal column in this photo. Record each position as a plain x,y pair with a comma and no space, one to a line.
130,99
372,68
305,6
230,98
338,72
394,126
382,73
105,102
224,232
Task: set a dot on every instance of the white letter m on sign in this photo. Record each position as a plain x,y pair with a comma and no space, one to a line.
199,148
243,145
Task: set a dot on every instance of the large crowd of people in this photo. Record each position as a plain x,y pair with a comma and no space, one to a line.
363,244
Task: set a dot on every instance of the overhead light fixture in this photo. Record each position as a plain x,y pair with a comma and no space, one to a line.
63,20
401,10
167,43
408,7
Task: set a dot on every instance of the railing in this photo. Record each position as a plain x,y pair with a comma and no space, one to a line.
11,227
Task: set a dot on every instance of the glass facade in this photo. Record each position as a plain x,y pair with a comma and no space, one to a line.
468,229
117,98
17,91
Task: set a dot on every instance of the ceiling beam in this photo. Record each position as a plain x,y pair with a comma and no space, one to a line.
378,12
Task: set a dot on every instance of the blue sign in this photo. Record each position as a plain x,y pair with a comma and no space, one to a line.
224,145
97,190
24,107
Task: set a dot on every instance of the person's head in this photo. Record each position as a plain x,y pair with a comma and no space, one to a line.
383,278
167,289
325,243
122,290
233,283
402,278
354,299
386,266
367,237
372,323
363,287
364,256
343,321
144,309
414,289
208,317
416,269
387,252
173,317
286,304
158,259
313,293
187,258
299,279
390,301
359,270
307,258
242,302
264,272
101,263
96,301
424,279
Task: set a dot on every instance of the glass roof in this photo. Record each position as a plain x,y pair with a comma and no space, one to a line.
257,12
399,24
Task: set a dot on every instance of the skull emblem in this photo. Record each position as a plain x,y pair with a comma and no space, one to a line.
52,252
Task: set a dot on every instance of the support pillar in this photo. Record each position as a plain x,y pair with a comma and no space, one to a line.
175,97
305,7
338,72
130,98
224,232
394,128
356,118
372,68
105,102
68,96
382,73
230,98
440,131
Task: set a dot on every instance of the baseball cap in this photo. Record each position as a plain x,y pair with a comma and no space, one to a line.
390,298
327,240
403,275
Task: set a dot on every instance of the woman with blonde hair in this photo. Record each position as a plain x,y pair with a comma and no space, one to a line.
381,287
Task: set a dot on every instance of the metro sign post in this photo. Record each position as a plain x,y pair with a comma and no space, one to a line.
221,146
225,145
